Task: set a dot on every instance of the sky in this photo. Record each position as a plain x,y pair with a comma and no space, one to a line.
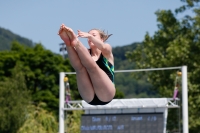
39,20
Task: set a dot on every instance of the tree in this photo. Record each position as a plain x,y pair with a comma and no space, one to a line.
41,68
176,43
73,121
39,120
14,98
126,82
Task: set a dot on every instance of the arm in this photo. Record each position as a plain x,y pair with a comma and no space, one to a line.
105,48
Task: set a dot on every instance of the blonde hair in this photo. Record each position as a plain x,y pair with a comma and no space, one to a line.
103,34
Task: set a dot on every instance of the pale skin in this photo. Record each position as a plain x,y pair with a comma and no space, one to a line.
91,79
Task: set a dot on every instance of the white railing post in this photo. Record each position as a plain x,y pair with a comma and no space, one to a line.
62,103
185,99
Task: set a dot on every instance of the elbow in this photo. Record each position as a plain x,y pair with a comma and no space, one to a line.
105,50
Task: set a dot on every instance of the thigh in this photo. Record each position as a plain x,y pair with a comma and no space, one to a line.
85,86
104,88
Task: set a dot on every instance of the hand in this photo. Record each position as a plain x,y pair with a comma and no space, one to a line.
83,34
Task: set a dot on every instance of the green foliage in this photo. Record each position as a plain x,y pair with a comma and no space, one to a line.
119,94
120,60
176,43
39,120
41,68
14,99
73,121
133,87
128,83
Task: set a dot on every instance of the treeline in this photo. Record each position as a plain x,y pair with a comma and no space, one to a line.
30,79
29,89
124,82
132,84
7,37
29,76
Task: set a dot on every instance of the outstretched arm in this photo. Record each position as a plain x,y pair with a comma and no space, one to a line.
105,48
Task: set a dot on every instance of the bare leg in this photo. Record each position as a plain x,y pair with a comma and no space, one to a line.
83,81
102,85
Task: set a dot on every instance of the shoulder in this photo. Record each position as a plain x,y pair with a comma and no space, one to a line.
107,49
107,53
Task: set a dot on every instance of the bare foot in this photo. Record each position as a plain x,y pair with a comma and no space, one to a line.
64,36
67,35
